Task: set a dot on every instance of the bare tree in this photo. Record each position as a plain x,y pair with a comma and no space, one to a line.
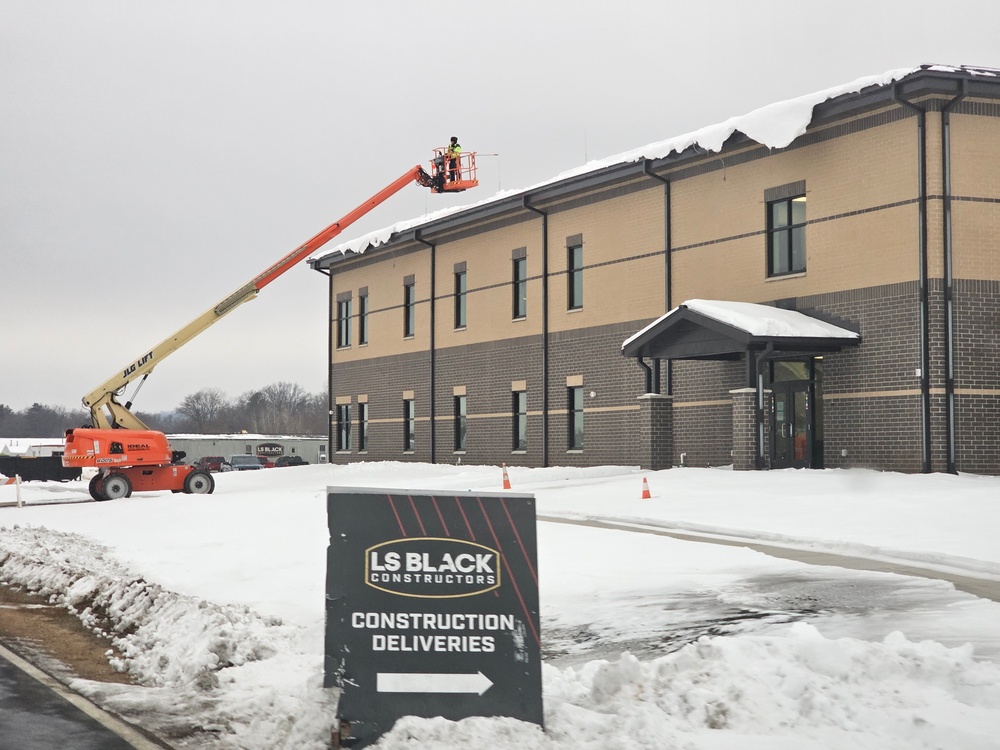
204,408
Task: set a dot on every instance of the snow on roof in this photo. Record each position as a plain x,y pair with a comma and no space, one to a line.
25,446
775,126
757,320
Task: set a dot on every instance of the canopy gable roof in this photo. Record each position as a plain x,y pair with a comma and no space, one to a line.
717,329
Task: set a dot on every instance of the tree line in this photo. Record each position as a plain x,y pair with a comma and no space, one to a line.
277,409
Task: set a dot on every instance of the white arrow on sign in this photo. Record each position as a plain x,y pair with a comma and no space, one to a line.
422,682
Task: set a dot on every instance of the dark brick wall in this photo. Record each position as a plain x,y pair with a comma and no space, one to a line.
704,431
486,372
977,376
384,382
872,405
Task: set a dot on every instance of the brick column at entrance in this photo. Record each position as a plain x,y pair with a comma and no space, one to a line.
656,431
745,430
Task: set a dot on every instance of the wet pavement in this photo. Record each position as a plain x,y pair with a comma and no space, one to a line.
39,714
843,595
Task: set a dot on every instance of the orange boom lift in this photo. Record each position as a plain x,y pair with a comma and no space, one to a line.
127,453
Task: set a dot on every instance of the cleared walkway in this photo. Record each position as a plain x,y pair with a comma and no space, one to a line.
982,587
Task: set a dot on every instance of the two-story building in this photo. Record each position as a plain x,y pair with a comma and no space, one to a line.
814,284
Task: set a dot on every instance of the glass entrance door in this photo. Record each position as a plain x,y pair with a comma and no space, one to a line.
790,428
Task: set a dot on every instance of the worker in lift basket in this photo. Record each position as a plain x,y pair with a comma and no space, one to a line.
453,151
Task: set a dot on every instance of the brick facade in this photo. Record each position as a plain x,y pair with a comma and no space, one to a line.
913,267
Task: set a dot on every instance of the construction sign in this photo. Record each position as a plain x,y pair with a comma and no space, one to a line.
431,608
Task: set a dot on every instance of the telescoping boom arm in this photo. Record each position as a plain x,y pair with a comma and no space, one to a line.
105,410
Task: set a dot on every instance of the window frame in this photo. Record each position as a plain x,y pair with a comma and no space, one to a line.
363,318
461,424
409,424
461,299
574,422
574,276
343,428
362,426
519,282
792,232
519,413
409,309
344,323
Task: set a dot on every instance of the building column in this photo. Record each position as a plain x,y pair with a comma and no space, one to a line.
746,432
656,431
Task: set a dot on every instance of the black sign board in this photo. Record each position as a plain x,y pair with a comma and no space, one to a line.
431,608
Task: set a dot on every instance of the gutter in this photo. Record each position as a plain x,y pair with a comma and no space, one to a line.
949,292
329,366
417,236
925,388
545,326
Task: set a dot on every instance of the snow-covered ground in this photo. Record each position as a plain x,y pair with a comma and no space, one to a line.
215,605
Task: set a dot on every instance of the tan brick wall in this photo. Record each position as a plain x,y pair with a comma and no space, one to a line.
845,178
489,298
385,304
975,173
615,289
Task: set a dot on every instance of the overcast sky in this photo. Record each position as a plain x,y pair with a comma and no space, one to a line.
155,156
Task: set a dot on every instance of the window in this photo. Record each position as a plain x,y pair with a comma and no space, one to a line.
460,288
574,265
786,236
575,418
520,411
409,308
363,317
343,322
362,426
520,283
409,424
461,433
343,427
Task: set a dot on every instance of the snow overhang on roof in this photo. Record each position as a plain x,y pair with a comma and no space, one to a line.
715,329
775,126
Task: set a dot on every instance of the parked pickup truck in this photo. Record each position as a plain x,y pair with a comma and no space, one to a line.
243,462
291,461
210,463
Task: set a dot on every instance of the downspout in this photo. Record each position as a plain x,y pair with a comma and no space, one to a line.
329,359
925,389
433,363
949,293
545,327
667,266
649,374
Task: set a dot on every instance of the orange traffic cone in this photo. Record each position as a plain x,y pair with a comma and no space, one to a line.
645,490
506,479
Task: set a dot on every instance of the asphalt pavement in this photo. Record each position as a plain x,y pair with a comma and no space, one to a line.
38,713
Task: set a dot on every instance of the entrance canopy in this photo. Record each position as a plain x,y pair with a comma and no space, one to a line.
714,329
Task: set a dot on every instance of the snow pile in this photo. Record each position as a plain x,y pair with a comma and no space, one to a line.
752,691
215,606
187,645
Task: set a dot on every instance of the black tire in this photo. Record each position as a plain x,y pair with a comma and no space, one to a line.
116,486
199,483
95,489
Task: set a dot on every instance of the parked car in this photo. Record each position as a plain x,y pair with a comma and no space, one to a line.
210,463
265,462
243,462
291,461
